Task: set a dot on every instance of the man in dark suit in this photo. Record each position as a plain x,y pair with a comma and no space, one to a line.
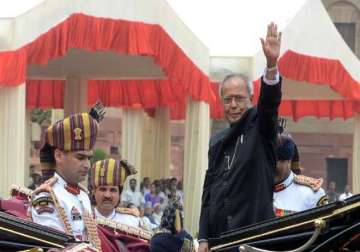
238,185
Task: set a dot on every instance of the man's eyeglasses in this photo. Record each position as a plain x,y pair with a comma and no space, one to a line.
227,100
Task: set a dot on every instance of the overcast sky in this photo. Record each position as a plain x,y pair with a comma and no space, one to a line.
233,27
226,27
13,8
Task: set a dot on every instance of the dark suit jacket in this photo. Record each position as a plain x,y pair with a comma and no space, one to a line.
241,196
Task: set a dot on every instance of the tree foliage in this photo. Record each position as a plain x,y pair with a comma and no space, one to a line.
99,154
39,116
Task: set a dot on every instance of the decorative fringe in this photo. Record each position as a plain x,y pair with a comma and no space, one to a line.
133,231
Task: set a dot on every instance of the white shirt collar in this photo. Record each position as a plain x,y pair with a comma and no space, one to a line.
99,215
60,179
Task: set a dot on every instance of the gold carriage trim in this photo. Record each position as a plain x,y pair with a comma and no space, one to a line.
335,212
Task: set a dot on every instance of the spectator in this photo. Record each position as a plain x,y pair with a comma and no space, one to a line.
346,194
157,214
174,190
167,186
144,220
175,196
162,194
153,196
142,189
148,212
173,183
180,189
146,184
132,196
331,193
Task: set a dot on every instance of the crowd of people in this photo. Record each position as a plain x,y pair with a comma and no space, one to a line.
333,195
151,198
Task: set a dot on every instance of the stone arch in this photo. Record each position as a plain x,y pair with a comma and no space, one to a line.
346,11
330,3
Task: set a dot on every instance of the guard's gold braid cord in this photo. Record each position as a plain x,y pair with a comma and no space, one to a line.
92,230
62,214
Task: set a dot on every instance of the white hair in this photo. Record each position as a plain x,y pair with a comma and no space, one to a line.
249,84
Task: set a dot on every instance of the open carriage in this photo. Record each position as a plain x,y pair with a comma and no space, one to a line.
333,227
18,234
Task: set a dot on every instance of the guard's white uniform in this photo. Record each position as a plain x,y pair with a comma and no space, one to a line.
44,212
121,218
290,196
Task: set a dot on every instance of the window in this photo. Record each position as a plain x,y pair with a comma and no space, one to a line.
114,150
347,31
337,169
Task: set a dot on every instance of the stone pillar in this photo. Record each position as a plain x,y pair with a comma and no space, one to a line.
148,149
356,155
156,145
12,138
162,143
28,139
132,138
75,95
197,127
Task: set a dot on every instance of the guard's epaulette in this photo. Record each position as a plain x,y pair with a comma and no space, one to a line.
82,187
45,187
132,211
314,184
20,191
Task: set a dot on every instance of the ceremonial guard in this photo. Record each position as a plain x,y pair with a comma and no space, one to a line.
122,225
293,193
107,178
61,202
